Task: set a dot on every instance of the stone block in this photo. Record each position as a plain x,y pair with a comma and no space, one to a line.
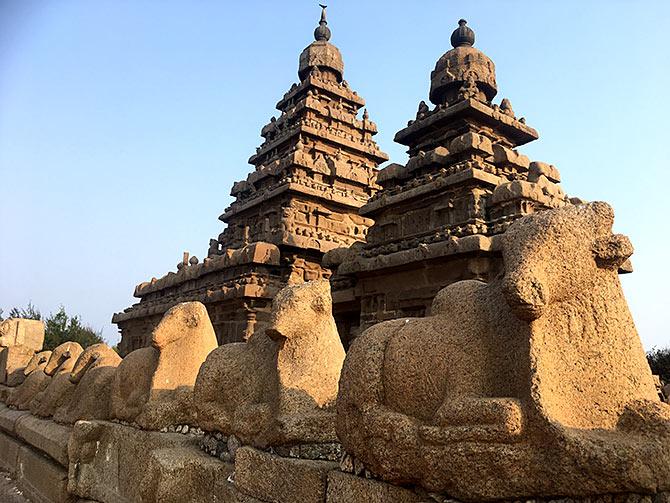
283,480
9,453
471,142
538,169
9,417
13,361
187,474
46,436
22,332
348,488
42,480
108,461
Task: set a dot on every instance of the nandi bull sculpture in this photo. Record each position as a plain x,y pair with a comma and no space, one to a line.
92,378
534,385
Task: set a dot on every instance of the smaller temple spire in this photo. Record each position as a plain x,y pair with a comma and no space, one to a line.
322,32
463,35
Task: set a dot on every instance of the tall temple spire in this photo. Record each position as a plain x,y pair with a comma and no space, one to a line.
322,32
321,53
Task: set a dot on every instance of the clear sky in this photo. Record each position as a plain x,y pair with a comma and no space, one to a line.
123,123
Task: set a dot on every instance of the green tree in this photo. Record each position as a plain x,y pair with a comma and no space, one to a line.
60,328
30,312
659,361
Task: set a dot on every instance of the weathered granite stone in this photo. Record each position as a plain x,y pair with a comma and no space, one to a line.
45,436
278,387
35,382
92,376
346,488
20,339
153,386
282,480
60,389
22,332
181,474
42,480
533,385
109,461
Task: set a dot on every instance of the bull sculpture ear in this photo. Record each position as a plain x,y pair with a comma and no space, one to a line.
612,251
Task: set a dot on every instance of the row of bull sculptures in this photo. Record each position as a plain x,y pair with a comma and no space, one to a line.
535,384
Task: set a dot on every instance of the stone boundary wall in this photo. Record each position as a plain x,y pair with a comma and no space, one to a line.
129,465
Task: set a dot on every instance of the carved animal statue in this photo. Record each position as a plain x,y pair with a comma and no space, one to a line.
59,390
533,385
36,380
153,386
280,385
92,376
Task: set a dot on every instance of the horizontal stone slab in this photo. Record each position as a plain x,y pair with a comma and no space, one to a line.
348,488
9,417
46,436
282,480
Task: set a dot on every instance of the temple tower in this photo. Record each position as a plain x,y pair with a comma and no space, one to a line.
315,168
464,181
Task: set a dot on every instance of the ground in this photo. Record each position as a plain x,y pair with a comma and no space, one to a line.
9,493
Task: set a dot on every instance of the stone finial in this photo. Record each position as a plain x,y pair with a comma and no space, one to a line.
463,35
322,32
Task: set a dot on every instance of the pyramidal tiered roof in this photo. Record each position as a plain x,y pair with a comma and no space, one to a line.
464,181
315,167
313,171
464,176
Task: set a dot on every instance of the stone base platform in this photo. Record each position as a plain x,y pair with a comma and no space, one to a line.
34,452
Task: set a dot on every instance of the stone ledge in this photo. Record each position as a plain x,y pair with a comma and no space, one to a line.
9,417
46,436
187,474
282,480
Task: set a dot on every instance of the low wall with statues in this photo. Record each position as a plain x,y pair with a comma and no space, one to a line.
534,386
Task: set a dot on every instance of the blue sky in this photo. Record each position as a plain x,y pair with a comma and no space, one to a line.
123,123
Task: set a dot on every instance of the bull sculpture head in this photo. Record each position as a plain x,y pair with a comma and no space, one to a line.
551,256
62,356
39,360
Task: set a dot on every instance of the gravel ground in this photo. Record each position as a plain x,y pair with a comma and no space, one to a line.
9,493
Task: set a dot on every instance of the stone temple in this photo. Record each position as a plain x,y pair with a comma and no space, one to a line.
464,181
392,238
490,352
315,168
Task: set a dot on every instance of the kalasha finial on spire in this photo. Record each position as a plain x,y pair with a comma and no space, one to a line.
463,35
322,31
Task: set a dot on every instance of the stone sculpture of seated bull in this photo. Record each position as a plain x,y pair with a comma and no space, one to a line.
59,389
280,386
153,386
534,385
35,381
92,377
